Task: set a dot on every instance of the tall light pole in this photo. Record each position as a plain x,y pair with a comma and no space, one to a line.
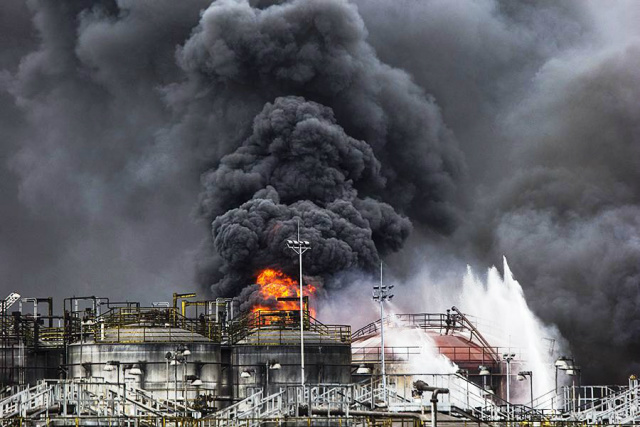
114,365
564,364
522,375
508,357
300,247
273,365
574,371
484,373
179,357
381,294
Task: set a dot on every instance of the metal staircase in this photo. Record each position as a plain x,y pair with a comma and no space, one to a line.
251,411
369,395
465,399
291,401
6,304
89,398
28,401
619,408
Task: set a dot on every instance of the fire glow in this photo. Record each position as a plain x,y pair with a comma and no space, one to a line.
275,284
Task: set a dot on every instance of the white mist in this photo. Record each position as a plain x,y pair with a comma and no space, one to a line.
509,323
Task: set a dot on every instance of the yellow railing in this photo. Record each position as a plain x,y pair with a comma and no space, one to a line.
139,334
269,328
52,335
146,324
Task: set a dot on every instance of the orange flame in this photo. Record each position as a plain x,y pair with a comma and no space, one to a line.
275,284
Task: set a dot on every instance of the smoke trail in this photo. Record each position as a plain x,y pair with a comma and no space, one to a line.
121,105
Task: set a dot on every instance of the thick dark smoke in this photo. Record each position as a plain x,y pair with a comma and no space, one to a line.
298,166
571,214
94,197
111,112
543,99
241,55
299,163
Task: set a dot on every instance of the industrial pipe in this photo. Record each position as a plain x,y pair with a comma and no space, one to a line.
422,386
434,404
322,411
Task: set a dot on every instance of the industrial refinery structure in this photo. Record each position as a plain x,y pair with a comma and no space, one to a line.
206,363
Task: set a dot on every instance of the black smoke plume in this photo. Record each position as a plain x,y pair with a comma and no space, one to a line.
299,162
111,111
542,97
298,167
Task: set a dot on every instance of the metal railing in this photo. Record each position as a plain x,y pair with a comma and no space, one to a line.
459,354
145,324
444,324
252,410
85,397
277,327
177,421
436,321
99,400
622,407
130,324
53,336
575,399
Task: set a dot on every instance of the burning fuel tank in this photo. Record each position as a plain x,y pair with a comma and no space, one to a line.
266,343
266,347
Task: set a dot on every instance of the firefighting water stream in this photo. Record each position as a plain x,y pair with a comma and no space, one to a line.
494,302
513,326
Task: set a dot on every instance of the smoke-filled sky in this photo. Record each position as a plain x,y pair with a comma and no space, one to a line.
159,145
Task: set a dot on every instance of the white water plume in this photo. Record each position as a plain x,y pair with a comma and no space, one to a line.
513,327
496,304
422,355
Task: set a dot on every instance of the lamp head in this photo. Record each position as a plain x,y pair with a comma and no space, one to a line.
274,365
135,370
363,370
111,365
563,363
573,370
